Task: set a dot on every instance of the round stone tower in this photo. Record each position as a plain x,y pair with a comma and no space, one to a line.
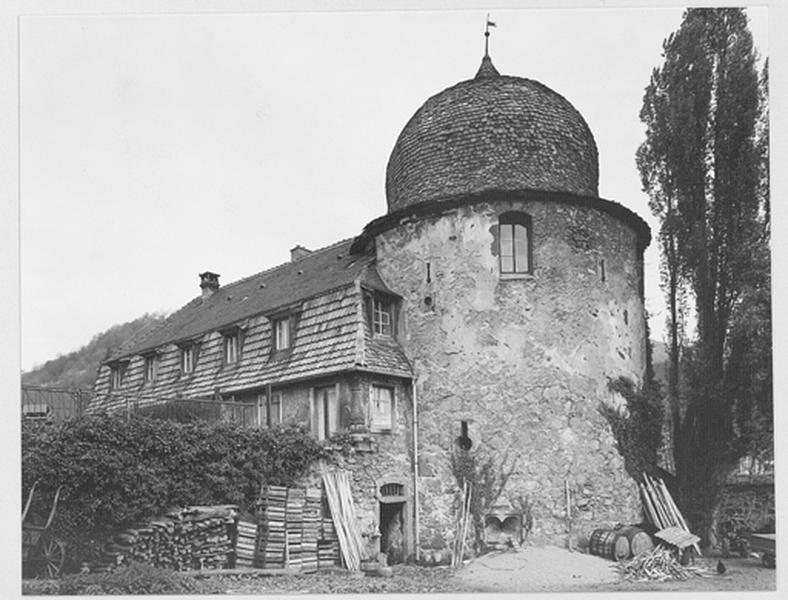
522,298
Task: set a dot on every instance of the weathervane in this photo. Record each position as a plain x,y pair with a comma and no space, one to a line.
487,35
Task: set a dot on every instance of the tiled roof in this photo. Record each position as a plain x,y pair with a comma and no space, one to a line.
319,272
492,132
330,334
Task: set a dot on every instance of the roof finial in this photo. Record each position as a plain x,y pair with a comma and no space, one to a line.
487,26
487,69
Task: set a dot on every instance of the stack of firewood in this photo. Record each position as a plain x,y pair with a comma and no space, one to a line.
196,537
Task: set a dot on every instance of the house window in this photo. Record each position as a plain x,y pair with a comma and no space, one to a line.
282,337
150,368
381,316
325,412
188,356
514,243
232,348
381,408
117,374
274,410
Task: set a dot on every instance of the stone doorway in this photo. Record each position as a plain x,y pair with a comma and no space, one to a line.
392,534
393,521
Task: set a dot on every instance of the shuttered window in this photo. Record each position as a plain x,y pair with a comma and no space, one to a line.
381,408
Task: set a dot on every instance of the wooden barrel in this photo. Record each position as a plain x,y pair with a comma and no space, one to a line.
609,544
639,540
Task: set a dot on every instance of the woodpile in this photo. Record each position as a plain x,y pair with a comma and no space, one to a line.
661,510
196,537
343,515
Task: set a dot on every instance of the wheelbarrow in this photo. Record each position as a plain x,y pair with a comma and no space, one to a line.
766,544
43,554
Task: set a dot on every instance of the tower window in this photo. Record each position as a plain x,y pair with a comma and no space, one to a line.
514,242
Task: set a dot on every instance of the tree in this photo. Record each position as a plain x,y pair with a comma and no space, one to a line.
702,164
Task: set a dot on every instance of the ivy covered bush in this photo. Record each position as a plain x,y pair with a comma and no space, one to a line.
638,435
117,471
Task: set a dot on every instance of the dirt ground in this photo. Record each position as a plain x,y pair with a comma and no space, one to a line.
530,570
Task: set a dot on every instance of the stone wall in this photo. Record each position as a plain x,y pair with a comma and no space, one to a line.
749,505
381,457
524,361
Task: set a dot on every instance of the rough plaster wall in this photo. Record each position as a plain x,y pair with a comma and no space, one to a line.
525,361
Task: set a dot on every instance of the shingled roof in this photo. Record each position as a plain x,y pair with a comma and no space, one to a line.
266,292
493,132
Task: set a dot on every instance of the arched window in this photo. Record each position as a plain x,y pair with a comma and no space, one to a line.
514,242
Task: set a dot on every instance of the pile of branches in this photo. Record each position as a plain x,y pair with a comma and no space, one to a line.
659,564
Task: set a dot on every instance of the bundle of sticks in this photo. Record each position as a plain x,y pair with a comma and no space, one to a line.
661,510
343,514
196,537
658,564
463,519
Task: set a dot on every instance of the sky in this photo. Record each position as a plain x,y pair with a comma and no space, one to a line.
154,147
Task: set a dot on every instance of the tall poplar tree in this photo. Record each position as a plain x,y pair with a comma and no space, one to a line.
702,164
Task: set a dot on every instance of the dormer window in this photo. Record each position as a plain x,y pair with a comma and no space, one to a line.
514,243
282,333
151,367
381,316
231,348
188,358
380,313
117,374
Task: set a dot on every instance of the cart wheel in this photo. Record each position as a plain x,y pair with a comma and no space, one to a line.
51,559
769,560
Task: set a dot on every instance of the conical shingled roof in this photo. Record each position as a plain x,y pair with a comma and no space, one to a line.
492,132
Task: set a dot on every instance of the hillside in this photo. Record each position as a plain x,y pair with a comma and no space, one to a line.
78,369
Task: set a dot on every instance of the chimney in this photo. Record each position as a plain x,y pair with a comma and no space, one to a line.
209,283
298,253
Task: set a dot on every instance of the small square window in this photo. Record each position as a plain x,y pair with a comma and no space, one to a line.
282,338
231,348
381,408
381,316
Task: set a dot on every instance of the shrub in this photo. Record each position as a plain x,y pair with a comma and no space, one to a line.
116,471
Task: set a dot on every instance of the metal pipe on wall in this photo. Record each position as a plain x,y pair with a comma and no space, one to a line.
416,541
